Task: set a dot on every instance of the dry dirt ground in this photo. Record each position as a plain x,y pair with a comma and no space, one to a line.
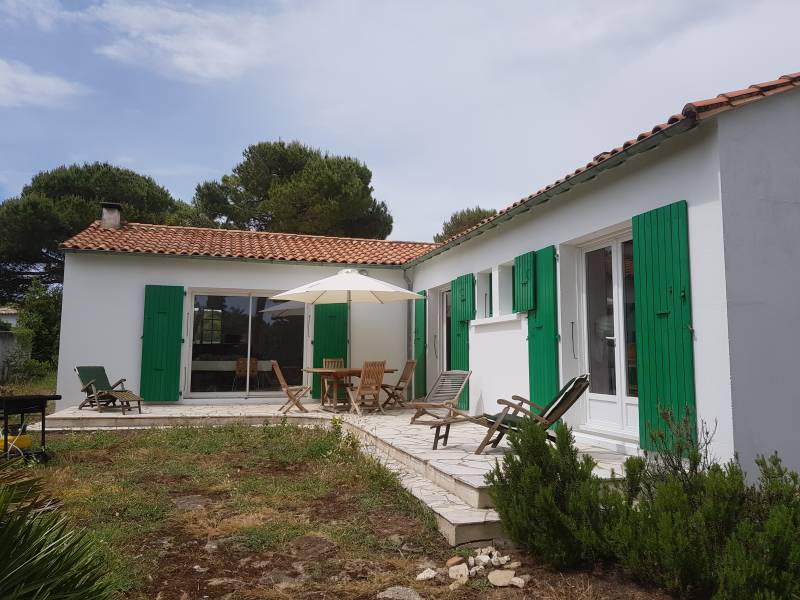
266,512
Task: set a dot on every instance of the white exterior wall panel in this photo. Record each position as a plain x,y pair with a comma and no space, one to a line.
685,168
760,166
102,313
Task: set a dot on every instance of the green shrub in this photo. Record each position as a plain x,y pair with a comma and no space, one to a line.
41,556
762,557
40,311
5,326
678,520
549,501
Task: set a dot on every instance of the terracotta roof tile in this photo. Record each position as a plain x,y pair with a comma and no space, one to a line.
227,243
694,111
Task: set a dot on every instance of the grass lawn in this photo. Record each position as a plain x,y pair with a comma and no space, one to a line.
262,512
41,385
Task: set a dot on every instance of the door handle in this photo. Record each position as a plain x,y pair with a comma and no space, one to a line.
611,339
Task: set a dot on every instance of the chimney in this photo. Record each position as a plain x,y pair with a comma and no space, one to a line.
111,217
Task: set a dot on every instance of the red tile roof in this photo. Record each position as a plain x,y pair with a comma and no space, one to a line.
228,243
691,114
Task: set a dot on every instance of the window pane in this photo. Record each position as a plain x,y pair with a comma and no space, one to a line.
219,343
600,321
277,334
629,306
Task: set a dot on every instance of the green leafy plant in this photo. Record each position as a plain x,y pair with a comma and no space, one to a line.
548,499
41,556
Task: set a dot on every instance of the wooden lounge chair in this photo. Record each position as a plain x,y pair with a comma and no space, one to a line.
101,394
442,397
294,393
394,393
367,395
510,419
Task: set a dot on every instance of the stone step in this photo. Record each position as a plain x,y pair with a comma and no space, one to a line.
464,483
458,522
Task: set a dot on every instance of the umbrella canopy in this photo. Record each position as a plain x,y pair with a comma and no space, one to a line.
285,309
348,285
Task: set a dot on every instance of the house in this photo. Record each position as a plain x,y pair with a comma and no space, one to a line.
666,267
9,314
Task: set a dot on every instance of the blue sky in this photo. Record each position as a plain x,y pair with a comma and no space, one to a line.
450,103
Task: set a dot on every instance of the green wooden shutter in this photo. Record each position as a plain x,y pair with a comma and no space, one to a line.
162,333
330,337
420,348
543,330
524,281
664,345
462,311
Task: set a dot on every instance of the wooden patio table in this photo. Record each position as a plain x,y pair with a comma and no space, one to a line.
337,375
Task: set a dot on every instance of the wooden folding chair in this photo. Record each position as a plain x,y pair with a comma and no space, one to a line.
294,393
513,415
327,382
367,395
442,397
394,393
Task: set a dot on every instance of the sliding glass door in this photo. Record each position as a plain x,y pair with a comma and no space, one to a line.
235,338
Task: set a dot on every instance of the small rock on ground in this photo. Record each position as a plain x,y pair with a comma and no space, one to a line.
459,573
453,561
517,582
426,575
398,592
501,577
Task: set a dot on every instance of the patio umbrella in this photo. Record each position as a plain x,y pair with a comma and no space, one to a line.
348,286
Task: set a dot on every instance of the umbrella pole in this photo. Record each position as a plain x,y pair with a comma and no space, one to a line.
349,326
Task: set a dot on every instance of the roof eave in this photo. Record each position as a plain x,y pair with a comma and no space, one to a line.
342,265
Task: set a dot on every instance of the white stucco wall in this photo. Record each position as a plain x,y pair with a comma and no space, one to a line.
685,168
760,174
102,311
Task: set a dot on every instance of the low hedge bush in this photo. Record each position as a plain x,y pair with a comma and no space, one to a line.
678,520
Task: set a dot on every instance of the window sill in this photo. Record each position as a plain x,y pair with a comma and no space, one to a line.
498,319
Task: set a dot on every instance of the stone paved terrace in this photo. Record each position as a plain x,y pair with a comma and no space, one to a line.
449,480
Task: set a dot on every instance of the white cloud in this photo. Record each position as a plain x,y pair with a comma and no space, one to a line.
43,13
22,86
451,103
183,42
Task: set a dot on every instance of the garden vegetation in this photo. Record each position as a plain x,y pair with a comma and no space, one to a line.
679,520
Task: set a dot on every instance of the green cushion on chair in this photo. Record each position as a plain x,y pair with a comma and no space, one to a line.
98,374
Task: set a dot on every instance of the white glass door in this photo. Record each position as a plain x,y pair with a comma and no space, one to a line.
610,348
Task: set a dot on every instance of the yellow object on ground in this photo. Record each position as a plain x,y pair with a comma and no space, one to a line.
20,441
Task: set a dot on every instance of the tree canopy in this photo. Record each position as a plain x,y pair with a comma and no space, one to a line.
461,220
293,188
57,204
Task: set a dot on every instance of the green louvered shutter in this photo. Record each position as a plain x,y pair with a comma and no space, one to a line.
543,330
420,349
462,311
524,281
330,337
664,345
162,333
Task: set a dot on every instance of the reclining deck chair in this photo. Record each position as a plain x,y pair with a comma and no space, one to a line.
509,419
101,394
442,397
